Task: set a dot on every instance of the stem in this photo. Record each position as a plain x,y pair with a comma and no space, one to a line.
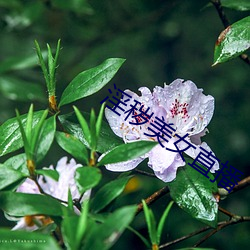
152,198
185,237
224,211
144,173
235,220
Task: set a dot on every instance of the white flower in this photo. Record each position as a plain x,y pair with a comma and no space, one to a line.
180,103
58,189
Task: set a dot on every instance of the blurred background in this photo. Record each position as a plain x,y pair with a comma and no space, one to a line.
161,41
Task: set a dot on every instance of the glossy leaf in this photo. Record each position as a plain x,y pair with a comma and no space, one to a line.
241,5
84,125
16,240
73,146
19,90
162,221
193,192
53,174
87,177
18,162
99,121
8,176
83,223
46,138
69,230
10,136
90,81
127,152
20,204
105,235
107,138
233,41
108,193
151,223
74,228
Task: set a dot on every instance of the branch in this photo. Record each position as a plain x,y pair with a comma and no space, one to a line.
226,23
185,237
235,220
144,173
152,198
242,184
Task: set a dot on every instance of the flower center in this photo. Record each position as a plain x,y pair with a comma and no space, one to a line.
180,110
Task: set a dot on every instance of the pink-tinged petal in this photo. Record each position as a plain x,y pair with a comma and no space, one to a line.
193,153
196,139
59,189
164,163
124,166
180,103
29,187
187,107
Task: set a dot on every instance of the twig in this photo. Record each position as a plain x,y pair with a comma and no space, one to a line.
234,220
224,211
152,198
242,184
144,173
226,23
204,229
222,15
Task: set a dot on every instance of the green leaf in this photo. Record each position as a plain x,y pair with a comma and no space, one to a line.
108,193
105,235
43,65
20,204
107,139
37,132
90,81
233,41
18,162
84,125
46,137
151,223
92,127
10,136
127,152
74,228
241,5
8,176
19,90
99,121
16,240
82,223
193,192
87,177
53,174
162,221
73,146
69,230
